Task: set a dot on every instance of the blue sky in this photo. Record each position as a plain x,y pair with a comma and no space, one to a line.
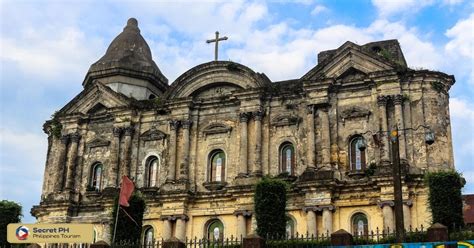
47,47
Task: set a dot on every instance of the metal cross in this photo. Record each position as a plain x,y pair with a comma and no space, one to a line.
216,40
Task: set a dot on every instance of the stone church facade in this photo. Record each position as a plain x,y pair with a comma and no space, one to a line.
196,147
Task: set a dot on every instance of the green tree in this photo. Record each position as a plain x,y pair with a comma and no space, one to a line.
445,198
127,230
10,212
270,204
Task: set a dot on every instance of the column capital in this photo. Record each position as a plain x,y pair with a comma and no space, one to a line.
389,203
128,131
245,213
186,123
117,131
258,115
244,117
75,137
382,100
329,207
408,202
311,208
174,124
397,99
174,217
64,139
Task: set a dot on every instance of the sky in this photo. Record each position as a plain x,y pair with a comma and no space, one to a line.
46,48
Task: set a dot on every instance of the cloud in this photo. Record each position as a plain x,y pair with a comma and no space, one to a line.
462,38
318,9
387,8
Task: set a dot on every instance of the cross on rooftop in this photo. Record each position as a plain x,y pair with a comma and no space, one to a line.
216,40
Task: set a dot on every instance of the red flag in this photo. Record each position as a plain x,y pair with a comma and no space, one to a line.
126,191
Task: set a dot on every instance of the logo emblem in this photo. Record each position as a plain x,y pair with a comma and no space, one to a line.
22,233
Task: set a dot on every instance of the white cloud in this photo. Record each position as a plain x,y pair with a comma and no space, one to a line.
318,9
388,8
452,2
462,38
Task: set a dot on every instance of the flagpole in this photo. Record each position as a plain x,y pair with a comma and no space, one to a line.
116,218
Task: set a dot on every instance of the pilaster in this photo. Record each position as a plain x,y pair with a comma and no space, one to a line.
71,160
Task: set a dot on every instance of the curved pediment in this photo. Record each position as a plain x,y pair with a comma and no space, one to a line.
153,134
355,112
217,128
97,142
203,77
285,120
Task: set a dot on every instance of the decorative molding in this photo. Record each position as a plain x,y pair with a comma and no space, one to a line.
97,142
310,109
174,124
153,134
213,186
217,128
174,217
186,123
355,112
319,208
244,117
397,99
117,131
75,137
408,202
258,115
382,100
285,120
128,131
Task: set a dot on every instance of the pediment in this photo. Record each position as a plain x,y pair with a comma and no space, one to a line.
354,112
97,142
152,134
351,75
215,90
348,58
285,120
216,128
95,99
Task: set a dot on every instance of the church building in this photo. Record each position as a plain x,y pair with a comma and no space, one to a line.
196,147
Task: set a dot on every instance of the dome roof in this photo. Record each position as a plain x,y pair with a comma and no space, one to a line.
128,53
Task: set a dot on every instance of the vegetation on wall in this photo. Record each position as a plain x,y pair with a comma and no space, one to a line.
127,230
445,198
270,204
10,212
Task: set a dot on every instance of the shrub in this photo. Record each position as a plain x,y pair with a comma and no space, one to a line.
445,198
270,204
127,230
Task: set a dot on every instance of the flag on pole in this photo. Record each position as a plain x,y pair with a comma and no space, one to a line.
126,191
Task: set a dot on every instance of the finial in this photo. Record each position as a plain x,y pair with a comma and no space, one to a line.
132,22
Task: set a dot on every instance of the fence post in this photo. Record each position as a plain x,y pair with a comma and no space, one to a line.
173,243
341,238
437,232
100,244
253,241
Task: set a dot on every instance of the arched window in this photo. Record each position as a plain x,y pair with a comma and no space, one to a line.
217,166
151,171
360,224
357,153
287,158
290,227
215,230
96,176
148,237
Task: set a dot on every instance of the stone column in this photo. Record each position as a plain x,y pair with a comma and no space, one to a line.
172,165
166,229
311,222
60,163
181,228
253,224
407,214
257,169
244,117
325,137
327,219
184,166
112,168
71,160
397,101
311,137
382,103
241,227
125,159
387,211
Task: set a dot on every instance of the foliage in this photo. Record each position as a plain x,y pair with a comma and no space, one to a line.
127,230
55,126
461,235
270,204
10,212
445,198
295,243
437,86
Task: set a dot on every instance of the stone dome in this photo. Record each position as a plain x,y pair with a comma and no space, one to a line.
127,54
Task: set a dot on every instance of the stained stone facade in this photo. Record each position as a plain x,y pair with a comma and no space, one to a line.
196,147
